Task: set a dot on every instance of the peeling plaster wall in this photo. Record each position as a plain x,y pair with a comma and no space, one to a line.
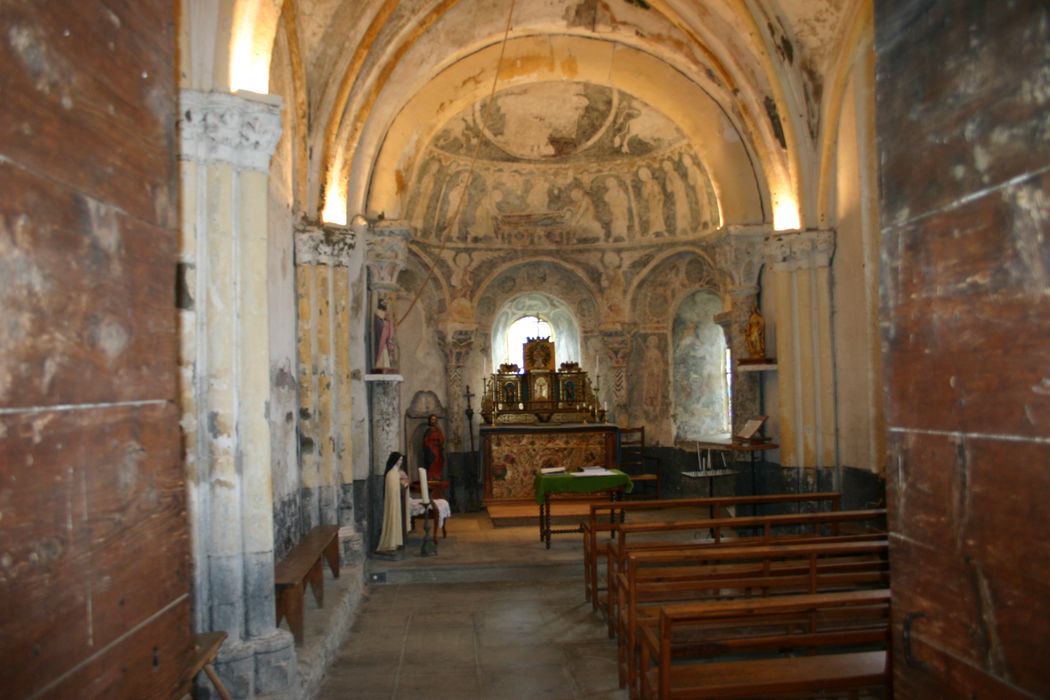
855,280
284,400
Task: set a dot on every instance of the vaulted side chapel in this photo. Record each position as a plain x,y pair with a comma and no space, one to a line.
250,248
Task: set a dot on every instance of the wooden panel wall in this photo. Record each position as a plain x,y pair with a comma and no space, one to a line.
963,109
94,557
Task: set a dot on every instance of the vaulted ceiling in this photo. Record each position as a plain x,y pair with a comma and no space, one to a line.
747,90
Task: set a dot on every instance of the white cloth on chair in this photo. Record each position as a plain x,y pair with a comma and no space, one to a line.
444,510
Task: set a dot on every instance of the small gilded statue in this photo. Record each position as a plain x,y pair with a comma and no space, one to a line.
755,334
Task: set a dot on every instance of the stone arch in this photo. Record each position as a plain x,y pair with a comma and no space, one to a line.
660,286
554,279
552,309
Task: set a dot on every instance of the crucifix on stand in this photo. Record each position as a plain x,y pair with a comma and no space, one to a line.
473,483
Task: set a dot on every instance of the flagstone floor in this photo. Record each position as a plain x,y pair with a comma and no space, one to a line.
493,615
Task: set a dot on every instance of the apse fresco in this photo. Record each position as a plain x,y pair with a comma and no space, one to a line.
608,170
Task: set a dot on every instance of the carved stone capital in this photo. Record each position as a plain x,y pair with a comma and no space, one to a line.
456,345
801,250
323,244
386,252
217,127
617,347
738,253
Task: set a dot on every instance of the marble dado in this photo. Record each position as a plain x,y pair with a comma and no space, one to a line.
218,127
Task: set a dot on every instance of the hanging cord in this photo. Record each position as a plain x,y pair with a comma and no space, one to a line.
458,211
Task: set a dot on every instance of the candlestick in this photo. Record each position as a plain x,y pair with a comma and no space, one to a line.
424,487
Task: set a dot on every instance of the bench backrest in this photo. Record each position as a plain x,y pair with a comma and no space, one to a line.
830,499
771,527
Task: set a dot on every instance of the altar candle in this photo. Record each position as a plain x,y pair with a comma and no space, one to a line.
424,487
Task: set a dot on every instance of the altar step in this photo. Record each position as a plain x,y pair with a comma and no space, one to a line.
563,513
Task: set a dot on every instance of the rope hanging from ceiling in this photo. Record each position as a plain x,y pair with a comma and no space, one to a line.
458,211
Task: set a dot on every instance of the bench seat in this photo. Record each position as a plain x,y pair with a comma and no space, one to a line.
768,677
301,565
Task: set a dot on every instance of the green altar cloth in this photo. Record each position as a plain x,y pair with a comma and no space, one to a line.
567,483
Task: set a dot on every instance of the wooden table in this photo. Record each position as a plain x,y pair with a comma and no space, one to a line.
615,483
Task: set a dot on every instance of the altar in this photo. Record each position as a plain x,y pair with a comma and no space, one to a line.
512,455
538,417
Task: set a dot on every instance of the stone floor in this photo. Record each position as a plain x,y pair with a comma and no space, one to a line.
475,640
493,615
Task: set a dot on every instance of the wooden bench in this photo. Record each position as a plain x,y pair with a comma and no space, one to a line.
606,517
772,528
205,648
738,572
842,636
301,565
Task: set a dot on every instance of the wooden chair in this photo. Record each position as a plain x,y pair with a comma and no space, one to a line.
641,469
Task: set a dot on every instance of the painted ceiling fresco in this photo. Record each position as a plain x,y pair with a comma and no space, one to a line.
561,163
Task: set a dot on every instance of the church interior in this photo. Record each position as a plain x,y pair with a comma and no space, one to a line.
289,238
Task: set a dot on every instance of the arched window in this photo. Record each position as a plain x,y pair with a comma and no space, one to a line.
534,315
521,330
702,366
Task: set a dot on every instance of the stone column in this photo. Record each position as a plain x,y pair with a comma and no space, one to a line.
739,255
323,254
385,253
617,351
799,264
457,343
227,142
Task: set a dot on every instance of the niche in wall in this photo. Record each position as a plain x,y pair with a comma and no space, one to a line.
565,329
700,386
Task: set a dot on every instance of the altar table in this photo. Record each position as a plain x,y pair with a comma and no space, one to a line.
512,455
615,484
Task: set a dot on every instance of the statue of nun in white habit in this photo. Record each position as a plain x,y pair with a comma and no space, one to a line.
394,484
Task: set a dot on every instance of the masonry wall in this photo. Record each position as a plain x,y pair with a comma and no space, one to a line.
94,555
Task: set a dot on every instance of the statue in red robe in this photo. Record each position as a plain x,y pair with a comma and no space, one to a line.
434,450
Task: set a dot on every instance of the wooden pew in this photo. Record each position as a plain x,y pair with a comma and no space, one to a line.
301,565
655,579
843,636
606,517
205,649
772,528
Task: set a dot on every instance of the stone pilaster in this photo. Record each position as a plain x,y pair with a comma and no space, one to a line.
387,249
799,266
739,256
323,254
617,351
227,143
385,253
456,344
385,402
